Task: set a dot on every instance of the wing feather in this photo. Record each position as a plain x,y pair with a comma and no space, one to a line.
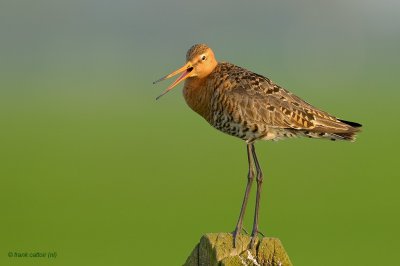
257,100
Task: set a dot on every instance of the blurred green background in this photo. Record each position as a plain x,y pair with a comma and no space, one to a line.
92,167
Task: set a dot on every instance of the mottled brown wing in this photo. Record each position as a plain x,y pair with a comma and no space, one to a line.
258,100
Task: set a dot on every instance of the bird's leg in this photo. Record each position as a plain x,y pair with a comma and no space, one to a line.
259,183
250,178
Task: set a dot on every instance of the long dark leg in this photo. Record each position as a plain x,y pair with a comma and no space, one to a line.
259,183
250,178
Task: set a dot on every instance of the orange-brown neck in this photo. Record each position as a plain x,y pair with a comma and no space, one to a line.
198,96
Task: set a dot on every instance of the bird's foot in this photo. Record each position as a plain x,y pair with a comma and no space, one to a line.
235,234
254,236
253,240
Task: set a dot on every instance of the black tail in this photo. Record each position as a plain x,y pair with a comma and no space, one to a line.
351,133
353,124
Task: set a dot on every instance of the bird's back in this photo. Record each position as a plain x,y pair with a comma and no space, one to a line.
250,106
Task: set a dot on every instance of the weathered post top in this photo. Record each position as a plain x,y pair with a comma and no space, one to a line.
217,249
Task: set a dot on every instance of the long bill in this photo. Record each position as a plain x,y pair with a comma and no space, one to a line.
186,69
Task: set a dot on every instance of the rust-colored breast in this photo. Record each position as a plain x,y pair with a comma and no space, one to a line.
198,95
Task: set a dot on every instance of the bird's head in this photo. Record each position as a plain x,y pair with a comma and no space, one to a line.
200,62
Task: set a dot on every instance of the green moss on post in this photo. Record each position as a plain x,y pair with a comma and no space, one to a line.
217,249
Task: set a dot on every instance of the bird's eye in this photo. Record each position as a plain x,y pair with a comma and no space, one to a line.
203,57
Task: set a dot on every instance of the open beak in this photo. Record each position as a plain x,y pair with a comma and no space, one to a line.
186,69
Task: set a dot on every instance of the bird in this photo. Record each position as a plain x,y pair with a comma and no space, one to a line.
251,107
